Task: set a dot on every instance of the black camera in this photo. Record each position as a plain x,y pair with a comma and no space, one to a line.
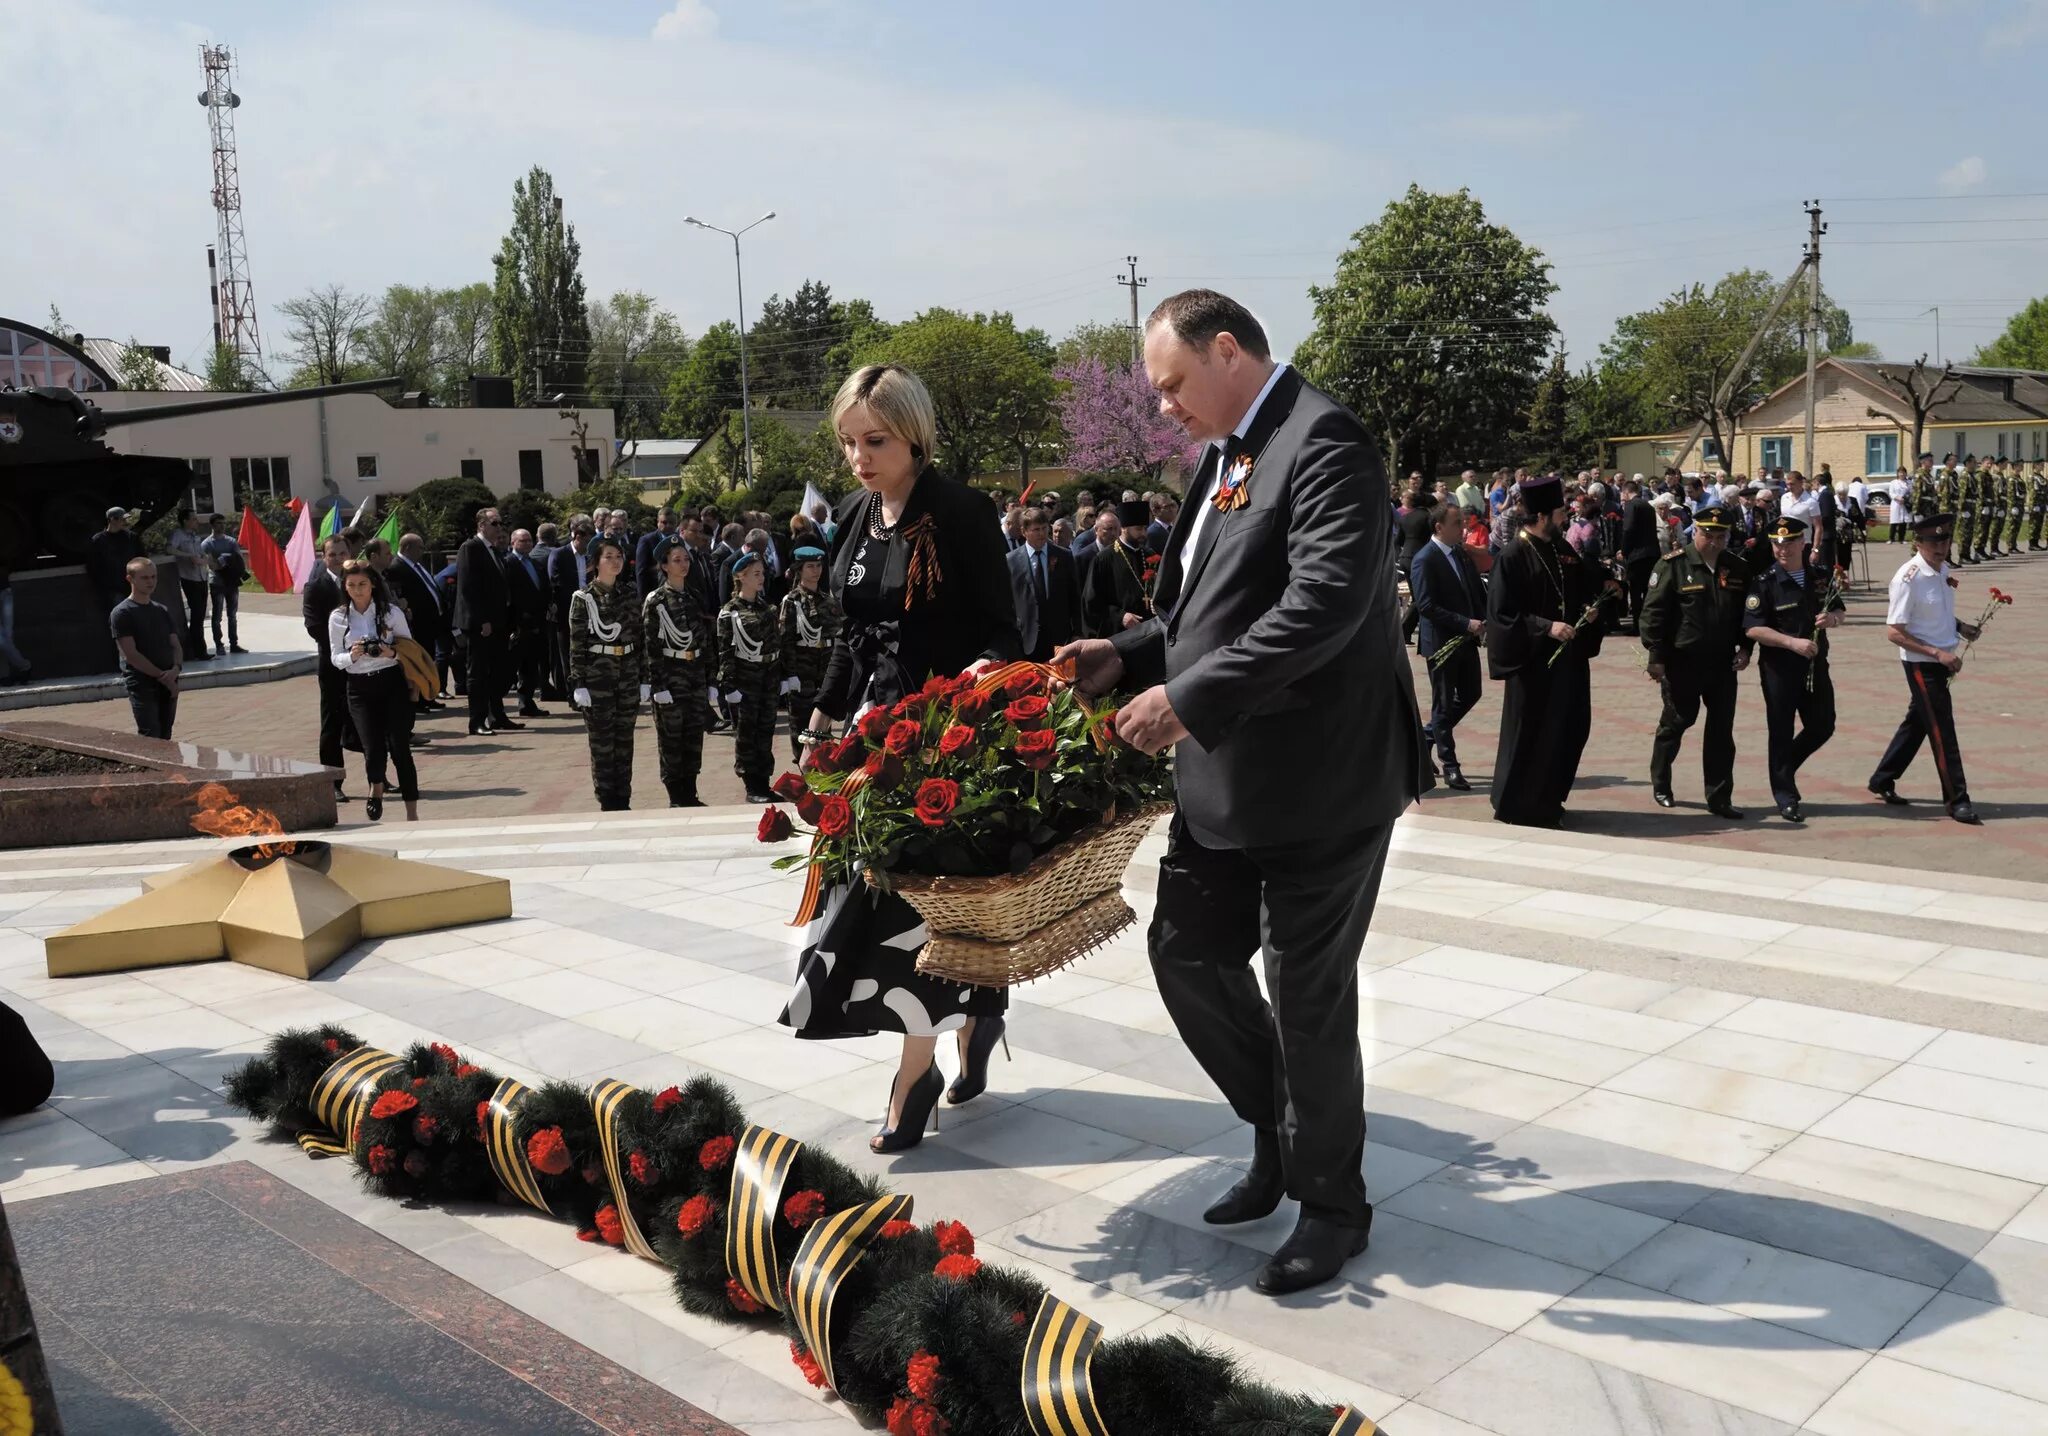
373,647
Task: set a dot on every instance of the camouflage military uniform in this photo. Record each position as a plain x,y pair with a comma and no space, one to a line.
2015,507
811,622
607,657
1966,513
680,661
2037,506
1997,510
750,664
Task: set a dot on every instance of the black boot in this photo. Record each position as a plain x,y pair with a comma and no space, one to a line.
684,794
1258,1192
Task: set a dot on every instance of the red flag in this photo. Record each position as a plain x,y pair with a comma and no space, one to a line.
266,560
1025,497
295,503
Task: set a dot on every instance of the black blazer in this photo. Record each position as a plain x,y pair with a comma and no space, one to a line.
482,592
1415,530
528,589
1642,539
317,603
1447,595
960,611
422,602
562,581
1280,645
1046,627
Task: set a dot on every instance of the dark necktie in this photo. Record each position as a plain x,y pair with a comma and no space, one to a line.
1038,573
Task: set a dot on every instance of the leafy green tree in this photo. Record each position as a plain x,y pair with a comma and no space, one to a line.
617,492
1605,405
443,511
636,348
857,330
226,373
991,385
324,332
1434,329
1546,439
528,509
787,349
2023,345
705,385
137,368
540,327
403,333
1107,344
55,323
464,342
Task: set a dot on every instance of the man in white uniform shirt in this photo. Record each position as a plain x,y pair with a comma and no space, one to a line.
1800,502
1901,515
1921,620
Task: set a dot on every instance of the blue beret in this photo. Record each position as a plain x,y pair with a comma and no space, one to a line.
807,553
747,558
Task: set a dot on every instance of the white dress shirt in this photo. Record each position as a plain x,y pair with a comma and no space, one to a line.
1924,605
1203,508
347,624
1806,507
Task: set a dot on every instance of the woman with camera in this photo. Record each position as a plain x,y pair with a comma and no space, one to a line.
362,635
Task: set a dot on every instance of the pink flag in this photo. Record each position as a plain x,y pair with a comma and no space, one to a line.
299,556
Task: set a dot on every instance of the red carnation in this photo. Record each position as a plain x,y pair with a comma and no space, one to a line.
419,1082
716,1153
447,1054
904,737
742,1300
789,787
382,1160
1036,748
483,1117
891,1230
588,1234
1028,712
666,1098
593,1175
423,1128
643,1170
874,724
971,706
926,1421
936,799
899,1417
956,740
609,1226
468,1069
923,1377
835,816
696,1215
954,1238
548,1152
332,1045
1017,1318
415,1163
957,1267
808,1365
393,1104
803,1208
775,825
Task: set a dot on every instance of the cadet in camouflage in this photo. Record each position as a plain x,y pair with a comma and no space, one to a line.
679,669
608,670
750,675
811,622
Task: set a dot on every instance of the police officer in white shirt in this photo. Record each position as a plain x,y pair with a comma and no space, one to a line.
1921,620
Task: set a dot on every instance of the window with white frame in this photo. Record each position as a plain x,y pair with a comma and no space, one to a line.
1880,453
366,466
200,496
271,477
1775,452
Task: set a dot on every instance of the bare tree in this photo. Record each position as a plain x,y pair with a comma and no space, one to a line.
324,330
1923,393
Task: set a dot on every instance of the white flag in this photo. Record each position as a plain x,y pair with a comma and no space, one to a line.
299,556
367,509
812,498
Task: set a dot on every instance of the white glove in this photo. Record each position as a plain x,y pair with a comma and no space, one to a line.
664,698
644,691
711,692
581,698
789,685
733,697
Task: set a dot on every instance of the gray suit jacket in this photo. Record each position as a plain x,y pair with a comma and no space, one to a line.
1279,641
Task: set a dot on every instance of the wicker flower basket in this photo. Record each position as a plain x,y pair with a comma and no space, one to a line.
999,931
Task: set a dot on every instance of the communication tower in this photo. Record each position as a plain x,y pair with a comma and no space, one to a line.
234,299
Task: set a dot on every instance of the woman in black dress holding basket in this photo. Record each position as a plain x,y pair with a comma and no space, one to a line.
918,570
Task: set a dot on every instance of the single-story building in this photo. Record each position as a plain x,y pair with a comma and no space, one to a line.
1863,424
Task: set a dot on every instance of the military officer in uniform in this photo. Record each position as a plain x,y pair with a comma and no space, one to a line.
750,674
608,670
2015,506
1969,537
1922,495
680,663
811,621
1788,612
2037,506
1921,621
1995,485
1692,628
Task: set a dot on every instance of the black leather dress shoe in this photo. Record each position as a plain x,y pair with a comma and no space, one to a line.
1455,778
1257,1193
531,711
482,730
1889,793
1314,1254
1962,811
506,723
1664,800
1726,810
1790,812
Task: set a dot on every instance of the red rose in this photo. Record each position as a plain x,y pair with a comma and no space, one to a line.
956,740
382,1159
809,806
874,724
904,737
954,1238
666,1098
483,1117
393,1104
742,1300
936,799
848,754
415,1164
835,816
423,1129
716,1153
936,686
808,1365
891,1230
899,1417
789,786
331,1045
775,825
923,1376
885,772
957,1268
643,1170
468,1069
609,1226
1035,748
1028,712
971,706
548,1152
696,1215
803,1209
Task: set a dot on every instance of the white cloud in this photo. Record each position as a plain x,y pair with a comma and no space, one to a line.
1964,174
688,20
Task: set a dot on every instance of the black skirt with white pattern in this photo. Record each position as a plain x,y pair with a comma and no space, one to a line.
858,974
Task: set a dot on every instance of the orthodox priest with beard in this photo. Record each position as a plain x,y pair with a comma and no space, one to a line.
1539,591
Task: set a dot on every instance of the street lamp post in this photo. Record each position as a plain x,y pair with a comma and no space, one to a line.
739,281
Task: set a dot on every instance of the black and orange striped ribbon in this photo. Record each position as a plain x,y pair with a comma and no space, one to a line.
759,1168
341,1096
831,1249
605,1100
506,1151
1059,1399
1350,1423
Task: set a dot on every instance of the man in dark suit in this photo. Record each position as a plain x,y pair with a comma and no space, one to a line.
415,585
1274,667
483,612
528,589
1642,544
317,602
1042,582
648,552
1412,526
568,570
1450,598
1103,535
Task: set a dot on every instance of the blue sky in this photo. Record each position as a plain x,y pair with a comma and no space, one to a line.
985,155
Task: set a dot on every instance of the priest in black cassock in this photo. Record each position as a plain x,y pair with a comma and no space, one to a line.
1539,591
1114,597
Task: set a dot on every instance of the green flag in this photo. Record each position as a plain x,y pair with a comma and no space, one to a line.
389,531
331,525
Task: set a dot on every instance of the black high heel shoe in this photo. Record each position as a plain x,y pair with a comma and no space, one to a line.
981,1045
919,1104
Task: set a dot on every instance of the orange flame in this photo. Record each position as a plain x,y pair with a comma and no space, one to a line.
223,815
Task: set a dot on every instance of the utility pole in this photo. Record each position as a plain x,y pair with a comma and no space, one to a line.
1935,310
1815,229
1134,284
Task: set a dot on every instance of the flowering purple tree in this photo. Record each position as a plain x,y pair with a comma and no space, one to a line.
1113,421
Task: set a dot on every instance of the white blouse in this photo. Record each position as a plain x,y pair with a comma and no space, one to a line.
346,625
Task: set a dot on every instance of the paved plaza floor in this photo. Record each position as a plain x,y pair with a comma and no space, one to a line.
1663,1139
